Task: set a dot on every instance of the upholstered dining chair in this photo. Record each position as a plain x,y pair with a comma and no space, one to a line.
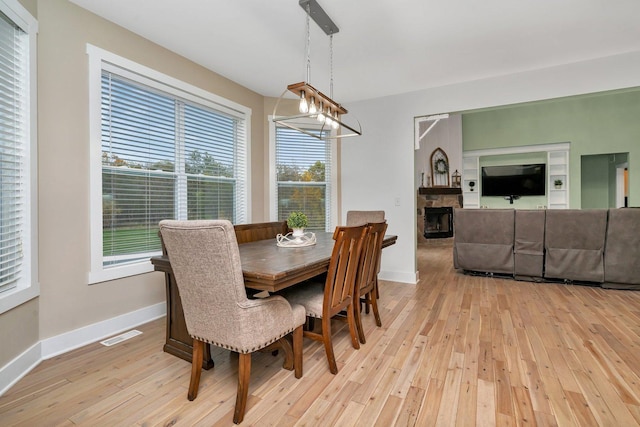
366,289
205,260
325,301
364,217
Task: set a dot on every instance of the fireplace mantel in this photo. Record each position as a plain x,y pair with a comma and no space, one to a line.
439,190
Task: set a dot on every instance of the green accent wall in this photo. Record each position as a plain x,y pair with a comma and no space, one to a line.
595,184
601,123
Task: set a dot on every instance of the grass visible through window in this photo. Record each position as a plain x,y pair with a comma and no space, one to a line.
130,240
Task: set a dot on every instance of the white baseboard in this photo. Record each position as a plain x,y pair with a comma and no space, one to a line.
397,276
50,347
13,371
71,340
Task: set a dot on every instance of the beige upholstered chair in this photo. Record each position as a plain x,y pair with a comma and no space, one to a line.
366,288
205,260
325,302
364,217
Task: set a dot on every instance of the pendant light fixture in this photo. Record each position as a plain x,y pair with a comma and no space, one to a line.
313,103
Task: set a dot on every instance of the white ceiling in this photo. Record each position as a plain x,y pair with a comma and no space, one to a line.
383,47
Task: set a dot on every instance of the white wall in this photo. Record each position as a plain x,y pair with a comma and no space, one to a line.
446,135
378,167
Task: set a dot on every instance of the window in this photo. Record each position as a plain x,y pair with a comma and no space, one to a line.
18,270
303,174
164,154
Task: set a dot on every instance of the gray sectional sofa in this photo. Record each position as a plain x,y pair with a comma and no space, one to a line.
591,246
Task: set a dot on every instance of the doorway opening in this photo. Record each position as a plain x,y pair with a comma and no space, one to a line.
604,181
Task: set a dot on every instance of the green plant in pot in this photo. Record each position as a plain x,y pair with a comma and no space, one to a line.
557,183
297,221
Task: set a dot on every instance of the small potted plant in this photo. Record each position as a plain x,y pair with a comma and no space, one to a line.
297,221
558,183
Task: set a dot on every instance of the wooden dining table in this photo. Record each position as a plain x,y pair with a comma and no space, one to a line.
265,267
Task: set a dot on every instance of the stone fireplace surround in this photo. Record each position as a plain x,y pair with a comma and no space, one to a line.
435,197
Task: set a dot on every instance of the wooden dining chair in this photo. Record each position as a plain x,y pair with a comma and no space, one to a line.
336,295
366,217
366,289
259,231
253,232
205,260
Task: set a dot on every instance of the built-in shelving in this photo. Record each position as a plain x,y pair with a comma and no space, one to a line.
557,168
470,182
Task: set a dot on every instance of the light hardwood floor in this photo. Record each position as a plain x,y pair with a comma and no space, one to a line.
453,350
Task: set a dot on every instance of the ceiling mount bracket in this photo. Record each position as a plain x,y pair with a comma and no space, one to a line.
319,16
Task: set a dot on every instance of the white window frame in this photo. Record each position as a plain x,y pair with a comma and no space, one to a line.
99,60
273,184
28,287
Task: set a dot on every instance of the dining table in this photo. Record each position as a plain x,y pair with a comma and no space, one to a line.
266,266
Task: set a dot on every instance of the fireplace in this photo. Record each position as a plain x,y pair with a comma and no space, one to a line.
438,222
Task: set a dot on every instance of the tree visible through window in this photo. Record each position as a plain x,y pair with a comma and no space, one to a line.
303,176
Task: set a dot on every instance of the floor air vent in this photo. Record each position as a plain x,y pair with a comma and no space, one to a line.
119,338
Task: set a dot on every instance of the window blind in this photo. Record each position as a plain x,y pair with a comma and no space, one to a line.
13,145
303,176
163,157
210,164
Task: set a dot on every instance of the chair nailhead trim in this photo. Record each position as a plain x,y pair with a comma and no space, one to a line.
237,350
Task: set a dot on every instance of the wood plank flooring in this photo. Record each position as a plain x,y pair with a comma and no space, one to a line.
454,350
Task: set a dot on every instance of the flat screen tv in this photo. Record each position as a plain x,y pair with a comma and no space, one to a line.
514,180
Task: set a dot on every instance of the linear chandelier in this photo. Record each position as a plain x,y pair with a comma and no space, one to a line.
313,103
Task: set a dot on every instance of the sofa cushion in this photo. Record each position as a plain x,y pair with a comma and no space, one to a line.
483,240
490,258
574,244
622,249
529,243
